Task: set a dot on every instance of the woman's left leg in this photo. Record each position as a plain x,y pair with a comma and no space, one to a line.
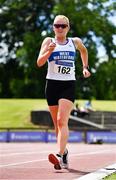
64,110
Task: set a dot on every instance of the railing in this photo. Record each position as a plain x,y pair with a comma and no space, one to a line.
84,121
99,119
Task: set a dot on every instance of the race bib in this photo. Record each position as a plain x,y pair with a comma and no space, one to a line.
63,67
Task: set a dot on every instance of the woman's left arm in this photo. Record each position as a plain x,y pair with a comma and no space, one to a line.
84,56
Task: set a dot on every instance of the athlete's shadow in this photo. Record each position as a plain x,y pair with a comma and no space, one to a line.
77,171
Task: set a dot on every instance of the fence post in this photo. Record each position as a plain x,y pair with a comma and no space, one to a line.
8,134
85,136
102,119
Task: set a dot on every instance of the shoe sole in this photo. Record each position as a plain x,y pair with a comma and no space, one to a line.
54,161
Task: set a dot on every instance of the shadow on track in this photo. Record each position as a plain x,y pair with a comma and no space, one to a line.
70,170
77,171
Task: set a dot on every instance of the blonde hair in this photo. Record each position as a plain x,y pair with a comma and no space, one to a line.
62,17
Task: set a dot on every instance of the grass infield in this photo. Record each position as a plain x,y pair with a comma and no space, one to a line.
16,112
110,177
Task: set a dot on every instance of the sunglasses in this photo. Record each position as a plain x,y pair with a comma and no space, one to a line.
63,26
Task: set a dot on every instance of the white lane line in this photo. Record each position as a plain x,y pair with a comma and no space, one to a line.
24,153
99,174
71,155
25,162
42,152
93,153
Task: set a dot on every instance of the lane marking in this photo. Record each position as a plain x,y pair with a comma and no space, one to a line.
71,155
25,153
42,152
99,174
93,152
25,162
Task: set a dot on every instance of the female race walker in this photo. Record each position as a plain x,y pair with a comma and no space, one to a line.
60,53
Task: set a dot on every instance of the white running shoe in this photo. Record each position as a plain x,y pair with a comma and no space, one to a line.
65,160
57,160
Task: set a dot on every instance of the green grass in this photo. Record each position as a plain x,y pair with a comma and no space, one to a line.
16,112
110,177
100,105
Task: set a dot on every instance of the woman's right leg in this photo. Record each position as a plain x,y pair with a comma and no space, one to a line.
55,159
54,112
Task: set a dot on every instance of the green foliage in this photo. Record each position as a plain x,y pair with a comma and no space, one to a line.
24,24
106,75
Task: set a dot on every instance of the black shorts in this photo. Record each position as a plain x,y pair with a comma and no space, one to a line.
56,90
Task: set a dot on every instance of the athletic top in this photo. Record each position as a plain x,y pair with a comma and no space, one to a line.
61,63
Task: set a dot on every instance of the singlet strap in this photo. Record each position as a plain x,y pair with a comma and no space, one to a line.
73,44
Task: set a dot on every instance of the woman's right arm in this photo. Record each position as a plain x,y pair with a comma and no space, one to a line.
46,49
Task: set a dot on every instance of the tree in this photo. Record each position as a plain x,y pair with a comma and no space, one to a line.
21,27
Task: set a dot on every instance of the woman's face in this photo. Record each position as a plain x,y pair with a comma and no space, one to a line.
60,27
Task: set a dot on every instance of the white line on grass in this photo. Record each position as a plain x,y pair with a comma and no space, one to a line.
99,174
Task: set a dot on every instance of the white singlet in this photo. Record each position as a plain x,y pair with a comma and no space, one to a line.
61,63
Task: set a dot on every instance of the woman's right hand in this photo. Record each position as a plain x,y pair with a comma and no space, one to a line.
51,46
47,48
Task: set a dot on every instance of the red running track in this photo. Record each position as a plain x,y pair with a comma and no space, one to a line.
28,161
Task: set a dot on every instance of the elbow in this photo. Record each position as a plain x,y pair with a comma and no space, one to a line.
38,63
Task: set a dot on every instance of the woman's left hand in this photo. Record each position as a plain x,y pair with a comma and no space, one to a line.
86,73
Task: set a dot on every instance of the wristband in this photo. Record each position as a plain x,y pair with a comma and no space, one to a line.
86,67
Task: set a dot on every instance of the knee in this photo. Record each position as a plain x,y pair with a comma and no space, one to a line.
61,122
